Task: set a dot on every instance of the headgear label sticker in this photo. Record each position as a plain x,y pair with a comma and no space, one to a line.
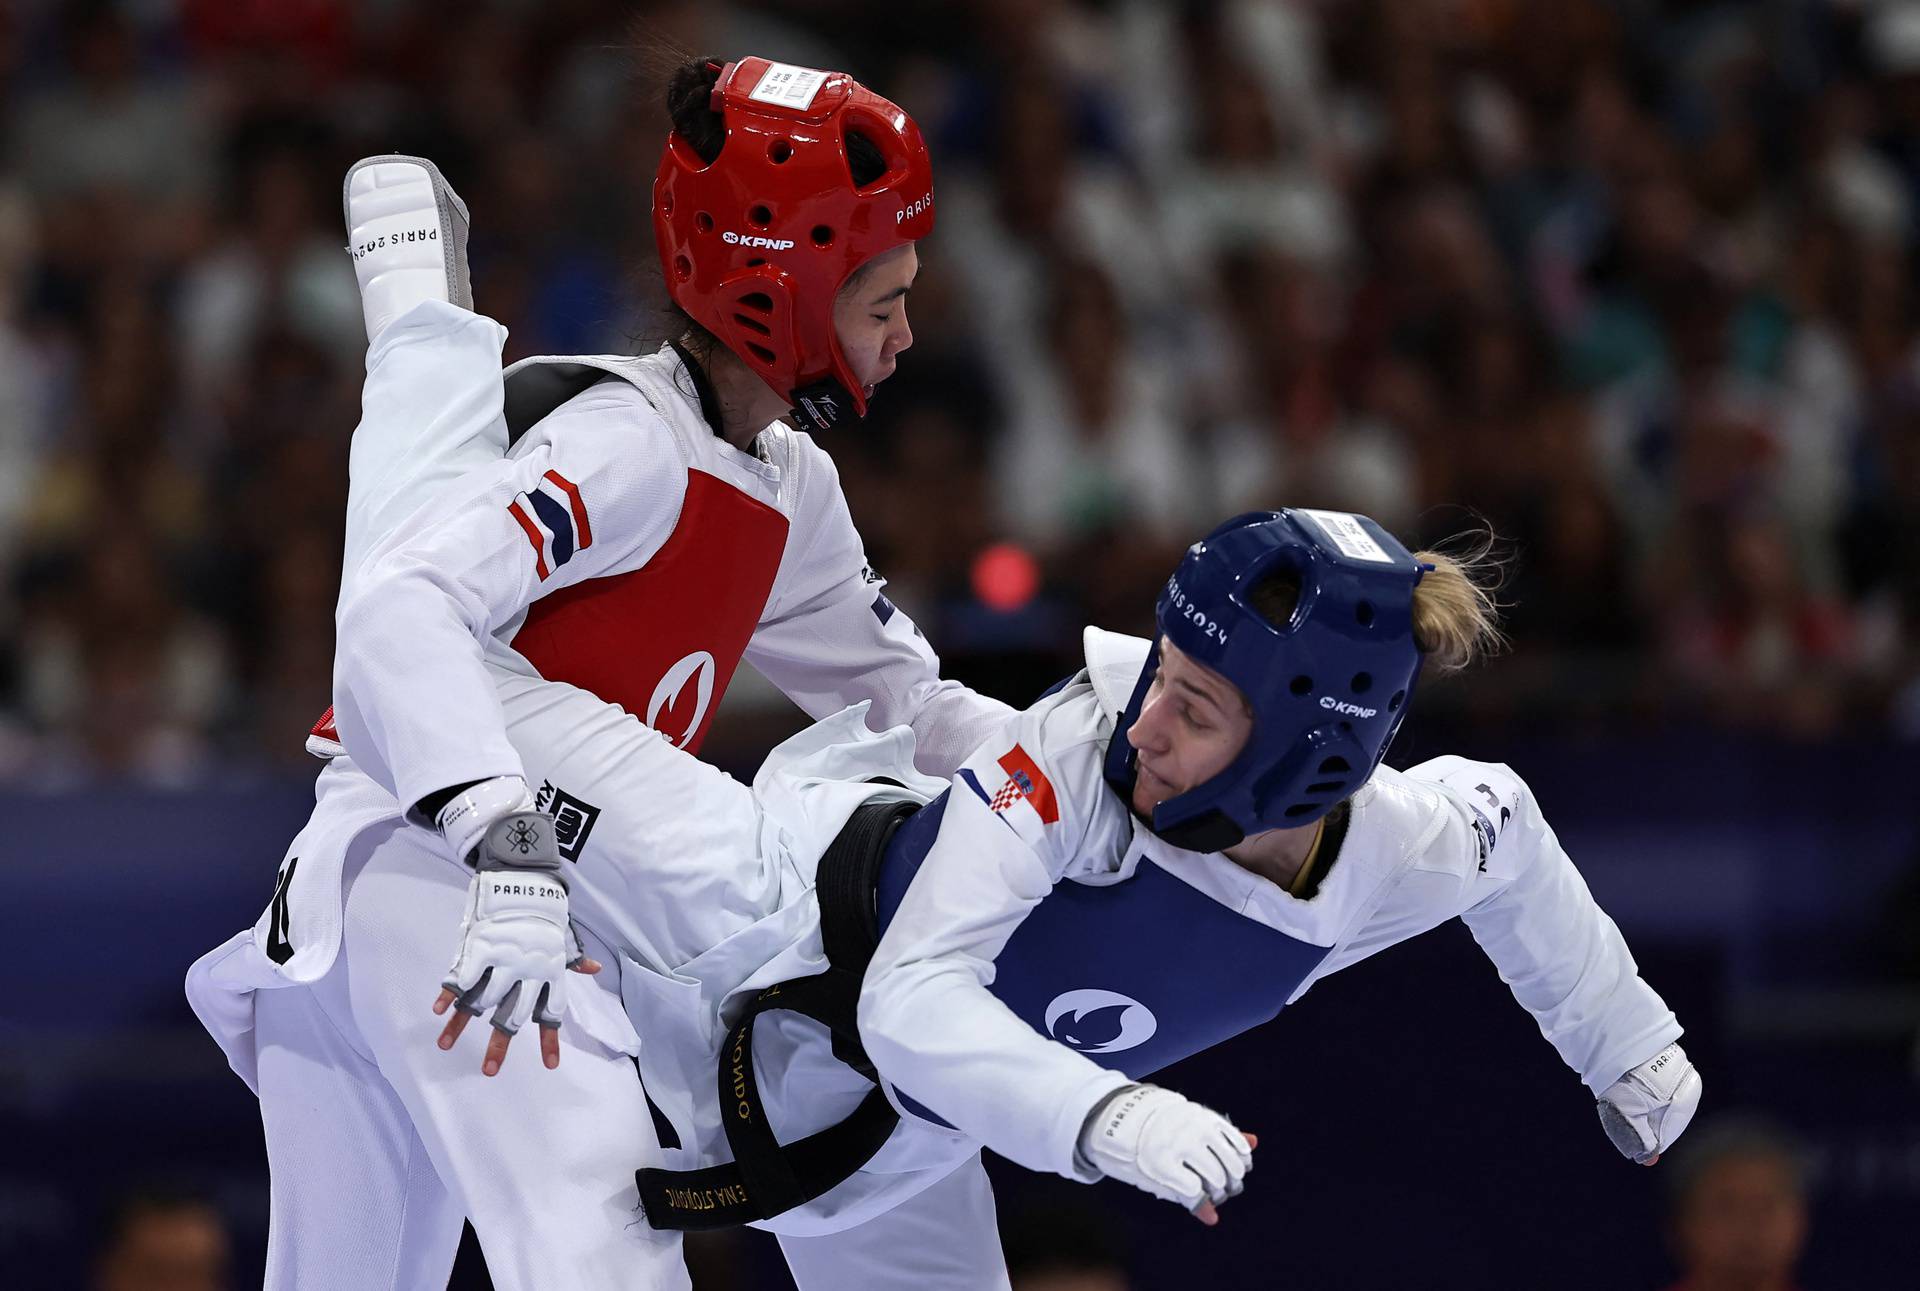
1345,531
786,86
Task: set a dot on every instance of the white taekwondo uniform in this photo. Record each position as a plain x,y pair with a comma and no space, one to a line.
621,545
1421,847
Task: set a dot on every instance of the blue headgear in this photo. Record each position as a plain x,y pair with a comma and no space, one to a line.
1327,691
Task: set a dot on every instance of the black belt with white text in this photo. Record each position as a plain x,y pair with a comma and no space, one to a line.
767,1177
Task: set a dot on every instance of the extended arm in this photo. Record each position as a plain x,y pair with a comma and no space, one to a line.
1568,966
1563,958
417,710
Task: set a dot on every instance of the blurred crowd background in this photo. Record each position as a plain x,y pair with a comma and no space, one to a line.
1633,282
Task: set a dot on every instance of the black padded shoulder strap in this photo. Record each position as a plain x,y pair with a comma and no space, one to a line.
535,390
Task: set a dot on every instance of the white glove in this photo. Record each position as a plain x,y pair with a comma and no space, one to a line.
516,939
1645,1110
1171,1146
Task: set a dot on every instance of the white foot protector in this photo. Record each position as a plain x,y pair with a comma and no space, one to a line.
407,233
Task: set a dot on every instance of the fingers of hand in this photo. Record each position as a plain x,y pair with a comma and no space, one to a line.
455,1025
519,1006
1222,1161
514,1009
1202,1157
543,1013
476,997
1211,1171
496,1052
1231,1145
1206,1214
463,1003
577,957
1186,1190
1236,1172
549,1023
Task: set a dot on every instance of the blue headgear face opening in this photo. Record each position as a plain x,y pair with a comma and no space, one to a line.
1327,690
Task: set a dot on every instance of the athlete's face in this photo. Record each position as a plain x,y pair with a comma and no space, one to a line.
1192,725
870,314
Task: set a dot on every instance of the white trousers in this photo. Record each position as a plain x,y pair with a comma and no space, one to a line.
380,1143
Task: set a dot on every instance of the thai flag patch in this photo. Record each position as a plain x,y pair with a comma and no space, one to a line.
554,518
1025,784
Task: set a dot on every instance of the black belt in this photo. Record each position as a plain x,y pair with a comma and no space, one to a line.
767,1177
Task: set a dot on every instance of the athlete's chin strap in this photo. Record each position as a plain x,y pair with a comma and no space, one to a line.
824,404
820,406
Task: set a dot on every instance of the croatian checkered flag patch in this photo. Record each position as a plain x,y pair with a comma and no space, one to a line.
554,518
1015,790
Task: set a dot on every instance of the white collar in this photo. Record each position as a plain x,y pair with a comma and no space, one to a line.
1114,661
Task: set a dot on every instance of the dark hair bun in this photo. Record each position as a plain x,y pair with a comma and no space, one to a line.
690,104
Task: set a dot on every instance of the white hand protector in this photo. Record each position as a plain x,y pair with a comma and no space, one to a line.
516,940
1645,1110
1168,1145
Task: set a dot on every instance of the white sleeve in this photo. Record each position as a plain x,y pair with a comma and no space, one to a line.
595,494
831,637
928,1021
1532,914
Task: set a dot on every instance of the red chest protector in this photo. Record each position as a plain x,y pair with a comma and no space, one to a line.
662,641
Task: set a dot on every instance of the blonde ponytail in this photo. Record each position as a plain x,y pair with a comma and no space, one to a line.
1455,617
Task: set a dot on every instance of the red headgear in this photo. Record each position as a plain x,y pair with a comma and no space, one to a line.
756,243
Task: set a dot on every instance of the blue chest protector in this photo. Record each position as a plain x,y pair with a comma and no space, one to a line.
1080,968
